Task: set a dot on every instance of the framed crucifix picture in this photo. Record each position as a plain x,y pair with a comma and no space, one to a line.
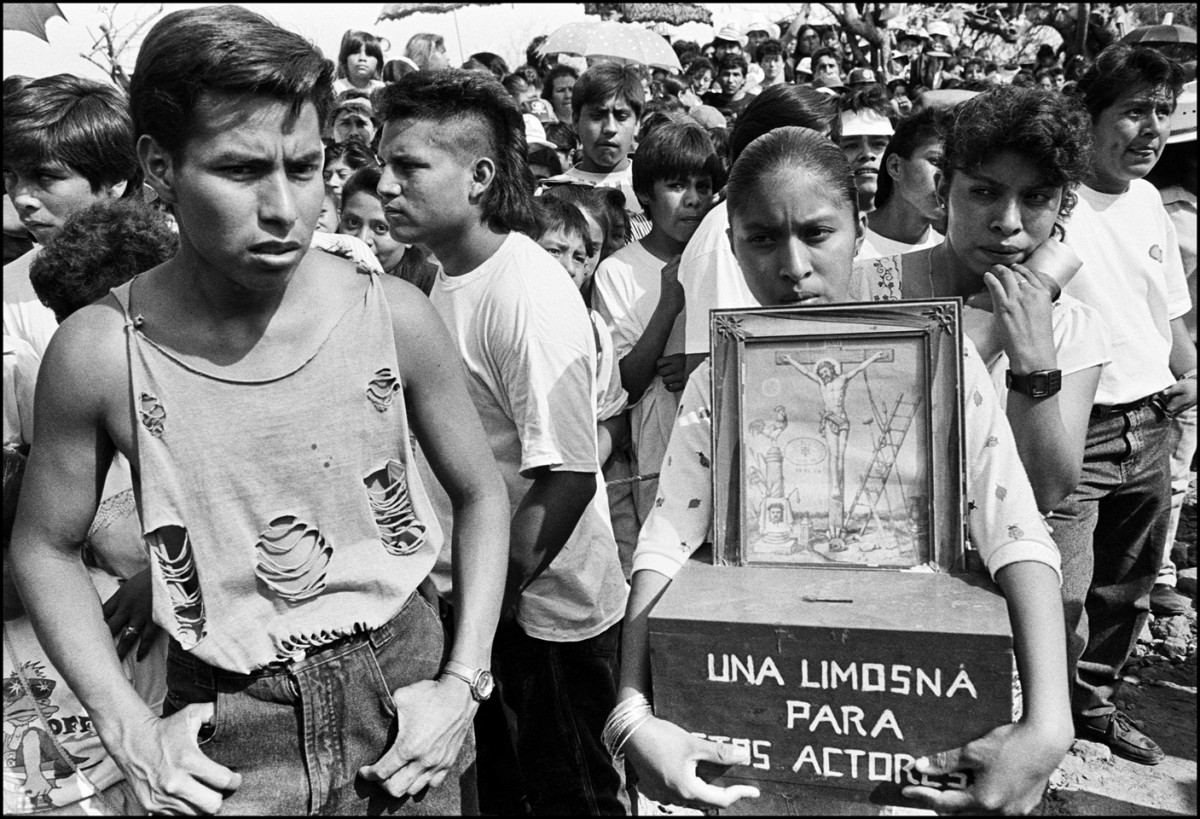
838,436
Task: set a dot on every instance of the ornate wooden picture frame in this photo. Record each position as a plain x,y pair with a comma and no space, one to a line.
837,431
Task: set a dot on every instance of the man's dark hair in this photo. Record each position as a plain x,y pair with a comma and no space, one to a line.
914,131
221,50
494,63
480,117
100,247
551,213
81,123
826,51
768,48
354,152
1122,67
871,98
531,52
562,135
781,105
515,83
676,149
698,66
1044,127
604,81
732,59
364,180
354,42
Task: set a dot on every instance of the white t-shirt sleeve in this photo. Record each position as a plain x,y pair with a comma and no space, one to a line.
1179,303
548,371
614,297
1002,516
682,515
1080,337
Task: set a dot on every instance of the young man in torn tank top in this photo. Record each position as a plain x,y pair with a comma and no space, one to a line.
261,394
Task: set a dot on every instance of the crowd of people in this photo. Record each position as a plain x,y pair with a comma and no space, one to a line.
357,413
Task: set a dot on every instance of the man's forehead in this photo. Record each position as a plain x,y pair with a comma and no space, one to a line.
613,103
244,113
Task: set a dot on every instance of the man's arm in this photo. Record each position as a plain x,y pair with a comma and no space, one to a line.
436,715
809,374
1182,394
871,359
639,366
542,524
64,479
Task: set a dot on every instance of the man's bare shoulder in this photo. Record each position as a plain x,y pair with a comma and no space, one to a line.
410,308
89,346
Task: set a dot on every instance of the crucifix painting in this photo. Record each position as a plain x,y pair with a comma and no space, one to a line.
834,452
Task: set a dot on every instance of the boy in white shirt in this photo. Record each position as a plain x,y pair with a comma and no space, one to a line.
638,291
607,106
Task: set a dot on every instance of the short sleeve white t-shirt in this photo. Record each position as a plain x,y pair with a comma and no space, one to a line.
1133,276
876,245
628,287
527,343
25,316
21,366
711,278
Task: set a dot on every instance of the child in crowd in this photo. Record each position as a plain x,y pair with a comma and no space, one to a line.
795,227
638,291
603,210
866,131
563,233
341,160
359,61
607,105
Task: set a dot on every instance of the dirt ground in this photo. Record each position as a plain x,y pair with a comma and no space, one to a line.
1160,696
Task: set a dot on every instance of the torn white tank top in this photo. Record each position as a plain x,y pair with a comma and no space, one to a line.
280,514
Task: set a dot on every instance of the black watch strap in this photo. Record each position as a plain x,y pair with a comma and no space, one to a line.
1039,384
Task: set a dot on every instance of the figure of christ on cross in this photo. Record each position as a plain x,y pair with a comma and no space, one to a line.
827,372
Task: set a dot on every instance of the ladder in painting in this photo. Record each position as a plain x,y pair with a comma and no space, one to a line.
894,426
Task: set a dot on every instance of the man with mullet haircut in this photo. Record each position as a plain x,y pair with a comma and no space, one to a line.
265,396
455,181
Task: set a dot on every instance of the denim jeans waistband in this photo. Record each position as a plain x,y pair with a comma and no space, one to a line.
377,637
1103,411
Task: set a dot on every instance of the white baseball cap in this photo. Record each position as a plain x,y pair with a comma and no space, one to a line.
535,134
866,123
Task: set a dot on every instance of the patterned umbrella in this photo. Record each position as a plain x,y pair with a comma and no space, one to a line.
30,17
398,11
673,13
608,39
1156,35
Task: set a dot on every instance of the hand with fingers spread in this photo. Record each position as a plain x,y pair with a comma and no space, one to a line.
665,756
1022,309
434,717
1011,766
127,613
168,771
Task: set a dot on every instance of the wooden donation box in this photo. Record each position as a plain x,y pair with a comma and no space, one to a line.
842,628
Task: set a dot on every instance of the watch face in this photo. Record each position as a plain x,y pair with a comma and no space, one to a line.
484,684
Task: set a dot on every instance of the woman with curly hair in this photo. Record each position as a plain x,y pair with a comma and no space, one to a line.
1012,159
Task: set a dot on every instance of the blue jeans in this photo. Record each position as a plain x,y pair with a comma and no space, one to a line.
559,694
1111,533
298,734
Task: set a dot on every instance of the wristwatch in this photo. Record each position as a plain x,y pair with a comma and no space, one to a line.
480,679
1039,384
